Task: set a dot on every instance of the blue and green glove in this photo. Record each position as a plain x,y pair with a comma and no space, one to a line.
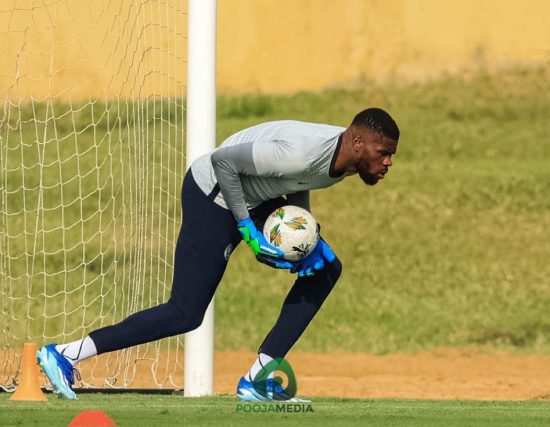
264,252
315,261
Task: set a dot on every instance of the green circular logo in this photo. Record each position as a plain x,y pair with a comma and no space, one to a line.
276,380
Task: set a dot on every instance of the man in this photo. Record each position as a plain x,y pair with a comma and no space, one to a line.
226,197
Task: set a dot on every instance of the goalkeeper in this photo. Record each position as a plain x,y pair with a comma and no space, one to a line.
226,197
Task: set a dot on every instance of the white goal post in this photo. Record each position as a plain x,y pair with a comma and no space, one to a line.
201,138
102,105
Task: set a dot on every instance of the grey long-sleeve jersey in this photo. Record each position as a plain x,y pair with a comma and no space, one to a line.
273,159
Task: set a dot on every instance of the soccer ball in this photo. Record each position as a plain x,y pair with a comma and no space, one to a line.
293,230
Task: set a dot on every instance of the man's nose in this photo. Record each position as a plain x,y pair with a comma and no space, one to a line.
387,161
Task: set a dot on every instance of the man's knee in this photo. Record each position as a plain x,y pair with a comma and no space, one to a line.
194,321
189,318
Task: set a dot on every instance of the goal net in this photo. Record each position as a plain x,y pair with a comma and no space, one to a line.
91,164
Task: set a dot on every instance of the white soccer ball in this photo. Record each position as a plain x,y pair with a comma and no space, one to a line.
293,230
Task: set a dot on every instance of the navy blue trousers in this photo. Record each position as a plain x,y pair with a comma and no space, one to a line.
207,235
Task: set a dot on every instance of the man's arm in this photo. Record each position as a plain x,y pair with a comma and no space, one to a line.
273,159
229,164
267,159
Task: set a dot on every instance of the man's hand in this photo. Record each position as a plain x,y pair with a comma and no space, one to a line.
264,252
315,261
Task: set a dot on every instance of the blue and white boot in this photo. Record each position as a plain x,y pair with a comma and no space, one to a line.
247,392
58,369
274,392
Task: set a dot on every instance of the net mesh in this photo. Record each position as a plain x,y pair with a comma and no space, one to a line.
91,163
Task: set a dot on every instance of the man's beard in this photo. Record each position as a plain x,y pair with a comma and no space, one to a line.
367,177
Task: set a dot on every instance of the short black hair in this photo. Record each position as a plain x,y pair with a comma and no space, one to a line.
379,121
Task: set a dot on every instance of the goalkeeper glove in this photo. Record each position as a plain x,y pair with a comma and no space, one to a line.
315,261
264,252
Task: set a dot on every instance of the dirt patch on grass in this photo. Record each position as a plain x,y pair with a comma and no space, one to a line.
438,374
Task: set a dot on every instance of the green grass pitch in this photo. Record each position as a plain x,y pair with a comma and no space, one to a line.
147,410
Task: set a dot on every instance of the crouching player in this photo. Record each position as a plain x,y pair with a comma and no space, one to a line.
226,197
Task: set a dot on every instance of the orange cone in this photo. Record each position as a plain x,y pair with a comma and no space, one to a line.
39,374
92,419
29,386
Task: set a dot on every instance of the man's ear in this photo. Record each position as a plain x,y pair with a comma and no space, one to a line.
356,142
